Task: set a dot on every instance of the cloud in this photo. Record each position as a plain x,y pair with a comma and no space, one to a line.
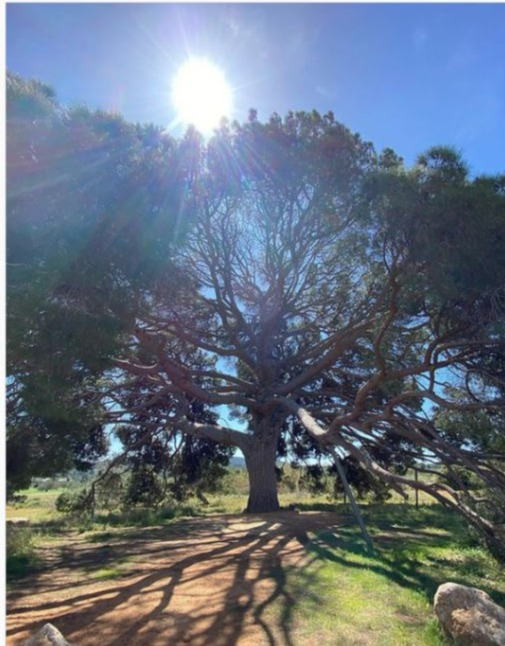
461,58
324,92
419,38
233,26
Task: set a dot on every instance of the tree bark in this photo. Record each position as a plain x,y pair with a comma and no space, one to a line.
260,455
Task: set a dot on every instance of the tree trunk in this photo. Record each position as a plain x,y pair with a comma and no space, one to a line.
260,456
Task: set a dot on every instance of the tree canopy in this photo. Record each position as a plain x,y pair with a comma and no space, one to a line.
93,205
328,297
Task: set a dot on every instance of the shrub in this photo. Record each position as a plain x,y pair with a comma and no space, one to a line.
78,503
21,556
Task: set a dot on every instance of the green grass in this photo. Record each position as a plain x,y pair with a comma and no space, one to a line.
38,506
236,503
346,596
105,574
111,571
342,595
352,604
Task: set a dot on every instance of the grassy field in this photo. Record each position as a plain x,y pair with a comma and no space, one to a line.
344,594
36,506
386,598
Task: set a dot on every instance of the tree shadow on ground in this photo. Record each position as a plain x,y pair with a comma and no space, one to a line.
219,581
397,558
203,581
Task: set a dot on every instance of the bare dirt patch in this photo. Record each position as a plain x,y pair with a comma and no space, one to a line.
204,581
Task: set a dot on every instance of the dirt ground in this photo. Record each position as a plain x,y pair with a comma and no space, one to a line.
205,581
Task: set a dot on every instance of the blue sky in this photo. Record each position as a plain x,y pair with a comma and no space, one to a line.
402,75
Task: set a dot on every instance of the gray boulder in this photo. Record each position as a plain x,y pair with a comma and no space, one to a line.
469,616
48,635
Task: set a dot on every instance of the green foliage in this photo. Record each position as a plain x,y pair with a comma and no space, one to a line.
200,467
147,517
164,465
109,491
78,503
152,473
94,205
316,479
482,430
364,483
21,556
144,488
281,266
444,224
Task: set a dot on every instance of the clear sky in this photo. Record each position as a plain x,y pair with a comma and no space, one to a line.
402,75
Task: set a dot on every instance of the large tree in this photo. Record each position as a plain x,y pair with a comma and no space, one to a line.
329,290
324,295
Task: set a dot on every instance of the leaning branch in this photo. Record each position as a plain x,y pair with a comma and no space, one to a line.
219,434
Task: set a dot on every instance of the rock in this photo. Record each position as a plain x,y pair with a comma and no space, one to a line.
48,635
469,616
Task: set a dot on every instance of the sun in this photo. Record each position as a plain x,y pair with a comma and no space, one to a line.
201,94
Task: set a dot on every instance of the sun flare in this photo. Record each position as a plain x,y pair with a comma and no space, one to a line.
201,94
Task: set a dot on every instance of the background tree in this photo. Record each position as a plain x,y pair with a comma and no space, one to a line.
94,207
